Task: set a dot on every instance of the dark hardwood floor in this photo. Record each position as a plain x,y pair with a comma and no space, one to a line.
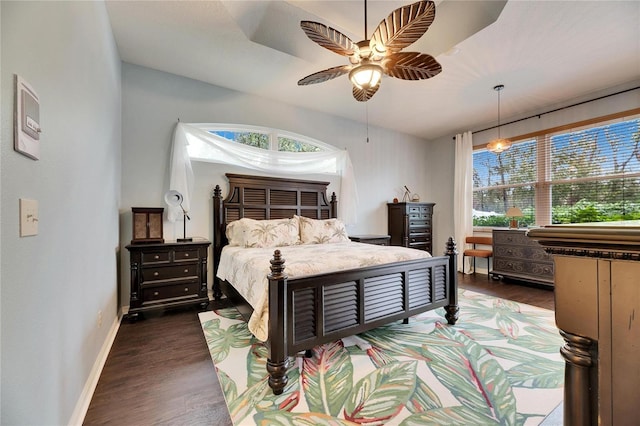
159,371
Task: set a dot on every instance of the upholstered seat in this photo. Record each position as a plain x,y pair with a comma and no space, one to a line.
474,252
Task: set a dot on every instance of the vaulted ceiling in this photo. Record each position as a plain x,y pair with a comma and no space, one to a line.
544,52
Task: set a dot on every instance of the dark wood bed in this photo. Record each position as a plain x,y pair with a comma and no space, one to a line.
305,312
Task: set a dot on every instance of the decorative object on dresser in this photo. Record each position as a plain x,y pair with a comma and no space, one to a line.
167,275
147,225
597,295
410,225
174,199
518,257
381,240
513,213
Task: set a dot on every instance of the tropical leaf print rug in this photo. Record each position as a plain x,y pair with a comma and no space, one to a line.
499,365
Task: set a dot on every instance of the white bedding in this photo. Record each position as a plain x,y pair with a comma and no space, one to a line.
247,268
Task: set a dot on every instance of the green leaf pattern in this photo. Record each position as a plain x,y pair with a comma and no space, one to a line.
421,373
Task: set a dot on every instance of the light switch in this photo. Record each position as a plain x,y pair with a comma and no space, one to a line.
28,217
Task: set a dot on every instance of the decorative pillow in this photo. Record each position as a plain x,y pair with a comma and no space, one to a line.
247,232
320,231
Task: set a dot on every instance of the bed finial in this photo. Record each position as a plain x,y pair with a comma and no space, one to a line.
451,247
277,265
217,192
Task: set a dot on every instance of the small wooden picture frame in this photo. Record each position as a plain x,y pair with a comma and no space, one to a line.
147,225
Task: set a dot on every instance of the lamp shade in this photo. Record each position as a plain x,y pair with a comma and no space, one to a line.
173,198
499,145
514,212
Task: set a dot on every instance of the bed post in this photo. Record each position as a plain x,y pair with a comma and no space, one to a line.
333,213
452,308
278,361
217,239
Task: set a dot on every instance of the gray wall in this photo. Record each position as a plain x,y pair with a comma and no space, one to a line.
152,102
54,284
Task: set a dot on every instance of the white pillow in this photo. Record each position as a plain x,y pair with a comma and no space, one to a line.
247,232
320,231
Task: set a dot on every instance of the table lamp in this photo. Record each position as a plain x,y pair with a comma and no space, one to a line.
513,213
174,199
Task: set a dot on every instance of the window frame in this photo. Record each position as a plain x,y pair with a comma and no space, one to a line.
273,134
543,183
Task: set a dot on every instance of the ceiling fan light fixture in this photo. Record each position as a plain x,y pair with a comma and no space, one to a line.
499,145
366,75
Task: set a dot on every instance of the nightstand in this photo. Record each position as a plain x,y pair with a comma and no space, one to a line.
167,275
380,240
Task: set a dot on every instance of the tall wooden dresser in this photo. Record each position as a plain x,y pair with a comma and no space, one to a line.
410,225
519,257
167,275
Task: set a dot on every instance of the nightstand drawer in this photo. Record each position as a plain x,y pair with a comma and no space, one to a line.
185,254
163,293
170,272
155,257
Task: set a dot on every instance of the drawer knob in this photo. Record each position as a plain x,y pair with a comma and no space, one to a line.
186,271
186,289
156,257
155,274
186,255
155,293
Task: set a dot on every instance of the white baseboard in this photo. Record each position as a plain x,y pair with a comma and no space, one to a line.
79,413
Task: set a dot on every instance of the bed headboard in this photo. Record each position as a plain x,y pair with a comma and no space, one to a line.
263,197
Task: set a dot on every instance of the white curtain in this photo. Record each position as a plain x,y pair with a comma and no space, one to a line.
463,195
209,147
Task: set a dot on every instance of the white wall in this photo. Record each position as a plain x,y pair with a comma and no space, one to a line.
153,101
53,284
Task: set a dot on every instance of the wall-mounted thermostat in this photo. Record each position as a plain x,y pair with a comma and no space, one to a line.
26,120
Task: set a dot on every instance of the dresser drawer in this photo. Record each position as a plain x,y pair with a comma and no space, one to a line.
522,252
169,272
155,257
517,266
419,237
175,291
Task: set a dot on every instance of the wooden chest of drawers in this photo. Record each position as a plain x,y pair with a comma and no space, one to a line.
519,257
409,225
167,275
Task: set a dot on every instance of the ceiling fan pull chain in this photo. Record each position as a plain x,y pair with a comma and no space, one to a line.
366,113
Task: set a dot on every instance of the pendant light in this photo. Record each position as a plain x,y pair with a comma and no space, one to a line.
499,145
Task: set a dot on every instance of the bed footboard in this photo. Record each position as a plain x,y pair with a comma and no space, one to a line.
309,311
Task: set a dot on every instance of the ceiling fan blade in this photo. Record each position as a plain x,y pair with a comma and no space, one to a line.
363,95
328,38
404,26
411,66
325,75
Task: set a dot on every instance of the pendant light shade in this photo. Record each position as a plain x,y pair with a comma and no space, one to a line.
499,145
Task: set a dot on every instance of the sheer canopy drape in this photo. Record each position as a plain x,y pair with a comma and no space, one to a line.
215,149
463,194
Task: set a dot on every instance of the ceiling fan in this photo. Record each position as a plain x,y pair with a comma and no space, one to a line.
370,58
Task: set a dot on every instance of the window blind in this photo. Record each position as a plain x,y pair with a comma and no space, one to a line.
585,174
